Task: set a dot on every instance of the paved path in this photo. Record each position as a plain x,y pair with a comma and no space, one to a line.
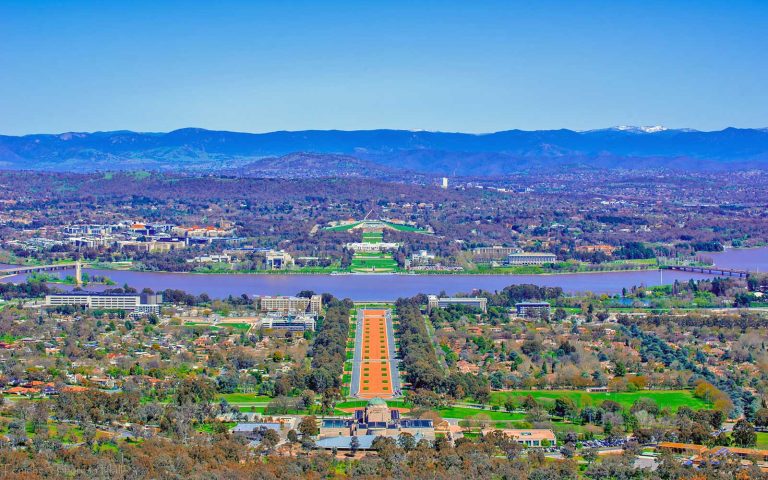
394,361
357,359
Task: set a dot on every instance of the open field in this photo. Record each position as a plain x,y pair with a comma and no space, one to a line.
762,440
672,399
378,264
465,412
243,398
237,326
244,327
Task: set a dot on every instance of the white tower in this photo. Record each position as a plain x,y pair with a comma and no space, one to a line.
78,273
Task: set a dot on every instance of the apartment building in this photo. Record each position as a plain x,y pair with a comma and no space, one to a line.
285,304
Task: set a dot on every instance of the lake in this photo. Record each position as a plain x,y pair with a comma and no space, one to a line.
390,287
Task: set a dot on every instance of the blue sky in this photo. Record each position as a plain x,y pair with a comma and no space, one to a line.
474,66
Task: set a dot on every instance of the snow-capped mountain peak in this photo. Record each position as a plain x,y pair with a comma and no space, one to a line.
649,129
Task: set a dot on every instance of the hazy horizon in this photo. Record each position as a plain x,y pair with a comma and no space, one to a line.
447,66
262,132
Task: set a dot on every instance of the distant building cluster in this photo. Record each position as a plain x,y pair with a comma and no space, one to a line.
146,237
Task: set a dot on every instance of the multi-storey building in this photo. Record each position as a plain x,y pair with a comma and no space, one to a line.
294,323
530,258
107,301
532,310
496,252
282,304
433,301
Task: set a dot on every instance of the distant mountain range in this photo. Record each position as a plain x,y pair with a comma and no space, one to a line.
382,153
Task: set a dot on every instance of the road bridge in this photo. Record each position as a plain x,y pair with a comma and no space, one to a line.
723,272
24,269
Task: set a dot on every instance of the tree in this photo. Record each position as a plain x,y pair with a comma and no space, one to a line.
382,443
645,404
307,398
590,455
568,450
89,433
406,441
761,418
270,439
329,399
307,444
744,434
195,389
308,426
483,396
354,445
564,407
529,403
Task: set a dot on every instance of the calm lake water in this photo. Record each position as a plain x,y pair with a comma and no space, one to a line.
390,287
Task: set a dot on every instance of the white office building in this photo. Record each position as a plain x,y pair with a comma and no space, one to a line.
106,301
433,301
530,258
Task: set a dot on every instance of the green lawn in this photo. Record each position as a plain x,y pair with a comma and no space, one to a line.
762,440
464,412
237,326
342,228
243,398
373,262
368,262
404,228
198,324
672,399
373,237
